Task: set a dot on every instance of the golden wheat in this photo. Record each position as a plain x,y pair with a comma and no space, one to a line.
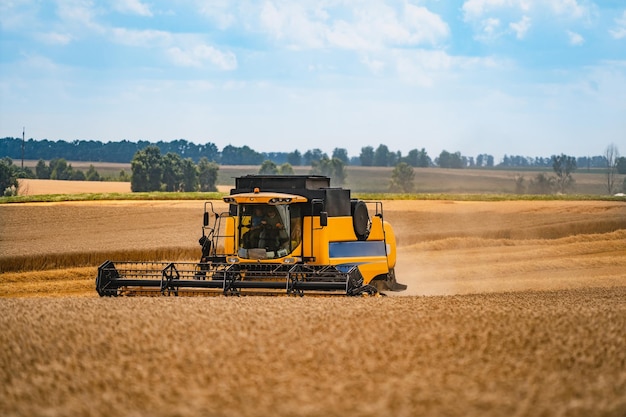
504,350
522,354
445,247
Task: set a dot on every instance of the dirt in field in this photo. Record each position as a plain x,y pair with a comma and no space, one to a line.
466,247
513,308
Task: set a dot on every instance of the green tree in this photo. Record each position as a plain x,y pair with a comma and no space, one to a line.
332,168
268,168
123,176
190,181
172,175
423,160
232,155
563,167
286,169
621,165
382,156
520,186
367,156
402,178
450,160
42,170
78,175
341,154
541,184
313,155
294,158
8,177
60,169
146,170
92,174
611,154
207,175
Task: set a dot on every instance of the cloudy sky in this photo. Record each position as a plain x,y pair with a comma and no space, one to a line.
522,77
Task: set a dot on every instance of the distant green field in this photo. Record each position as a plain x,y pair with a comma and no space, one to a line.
105,169
427,180
438,180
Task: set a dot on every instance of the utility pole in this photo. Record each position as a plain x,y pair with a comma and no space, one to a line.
23,135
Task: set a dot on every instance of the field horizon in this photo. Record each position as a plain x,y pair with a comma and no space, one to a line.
377,179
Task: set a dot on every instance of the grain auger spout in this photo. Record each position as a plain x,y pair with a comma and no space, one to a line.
282,235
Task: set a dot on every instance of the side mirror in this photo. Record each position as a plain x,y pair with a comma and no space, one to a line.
206,219
323,218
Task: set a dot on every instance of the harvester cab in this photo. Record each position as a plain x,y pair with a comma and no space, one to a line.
282,234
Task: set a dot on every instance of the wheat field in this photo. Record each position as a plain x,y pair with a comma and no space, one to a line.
513,308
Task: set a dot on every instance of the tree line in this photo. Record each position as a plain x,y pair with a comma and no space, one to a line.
152,171
124,151
561,182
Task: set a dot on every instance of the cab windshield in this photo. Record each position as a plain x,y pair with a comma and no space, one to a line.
268,231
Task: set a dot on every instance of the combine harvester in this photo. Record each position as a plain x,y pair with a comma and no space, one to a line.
282,235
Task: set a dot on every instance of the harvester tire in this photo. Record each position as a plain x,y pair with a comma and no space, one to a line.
360,219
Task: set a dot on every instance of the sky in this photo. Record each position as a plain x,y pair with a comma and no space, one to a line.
515,77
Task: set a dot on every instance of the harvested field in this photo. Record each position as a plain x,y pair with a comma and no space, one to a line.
40,187
44,187
444,247
513,308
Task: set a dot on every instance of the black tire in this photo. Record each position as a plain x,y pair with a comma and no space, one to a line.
360,219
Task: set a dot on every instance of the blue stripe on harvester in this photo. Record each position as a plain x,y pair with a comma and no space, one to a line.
356,249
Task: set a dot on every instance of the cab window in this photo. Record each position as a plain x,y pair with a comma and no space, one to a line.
268,231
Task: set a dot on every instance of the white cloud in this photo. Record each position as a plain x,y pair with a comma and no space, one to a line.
476,9
182,49
425,26
39,63
517,15
198,55
521,28
294,24
55,38
303,26
219,11
142,38
620,31
575,39
427,68
490,28
132,7
79,13
569,8
376,66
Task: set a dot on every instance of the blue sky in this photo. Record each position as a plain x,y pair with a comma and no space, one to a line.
521,77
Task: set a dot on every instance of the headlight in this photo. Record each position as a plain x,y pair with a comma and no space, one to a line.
232,259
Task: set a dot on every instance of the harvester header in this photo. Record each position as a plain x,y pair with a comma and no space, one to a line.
282,234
